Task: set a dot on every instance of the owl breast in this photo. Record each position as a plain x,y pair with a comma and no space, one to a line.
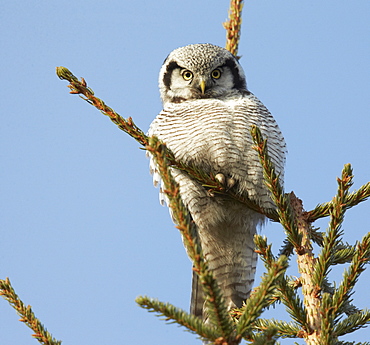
214,135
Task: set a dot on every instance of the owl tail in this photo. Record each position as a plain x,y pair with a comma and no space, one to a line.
197,298
233,299
234,275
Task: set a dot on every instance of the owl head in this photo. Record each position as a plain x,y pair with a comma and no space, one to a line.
200,71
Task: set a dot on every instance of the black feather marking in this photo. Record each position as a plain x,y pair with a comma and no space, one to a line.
167,75
239,81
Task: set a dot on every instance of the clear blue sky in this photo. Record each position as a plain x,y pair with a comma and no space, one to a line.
82,232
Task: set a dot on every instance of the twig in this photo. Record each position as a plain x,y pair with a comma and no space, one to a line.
233,26
80,87
26,314
192,323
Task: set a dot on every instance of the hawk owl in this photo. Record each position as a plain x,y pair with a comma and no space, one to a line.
206,119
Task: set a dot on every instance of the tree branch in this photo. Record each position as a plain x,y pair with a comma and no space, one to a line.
281,200
352,199
26,314
218,314
191,322
233,26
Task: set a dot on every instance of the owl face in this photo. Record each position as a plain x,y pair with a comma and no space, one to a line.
200,71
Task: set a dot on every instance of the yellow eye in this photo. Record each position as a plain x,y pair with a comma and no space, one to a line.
216,74
187,75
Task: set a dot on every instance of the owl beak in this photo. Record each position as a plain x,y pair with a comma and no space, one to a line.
202,86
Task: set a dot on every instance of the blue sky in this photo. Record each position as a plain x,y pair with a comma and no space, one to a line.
83,233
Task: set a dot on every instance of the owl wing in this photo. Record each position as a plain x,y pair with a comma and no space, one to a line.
257,114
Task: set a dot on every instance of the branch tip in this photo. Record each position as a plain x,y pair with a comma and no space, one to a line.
65,74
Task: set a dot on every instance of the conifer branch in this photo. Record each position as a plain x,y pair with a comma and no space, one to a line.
265,253
347,308
332,239
266,337
297,230
280,199
326,336
233,26
283,328
344,254
286,249
218,314
334,304
264,250
26,314
316,236
352,199
360,195
293,303
285,290
81,88
352,323
192,323
351,275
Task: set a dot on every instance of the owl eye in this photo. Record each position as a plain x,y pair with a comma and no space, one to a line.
216,74
187,75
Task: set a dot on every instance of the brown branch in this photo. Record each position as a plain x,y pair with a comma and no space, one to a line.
26,314
80,87
306,263
233,26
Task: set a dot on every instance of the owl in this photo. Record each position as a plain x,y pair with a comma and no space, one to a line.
206,120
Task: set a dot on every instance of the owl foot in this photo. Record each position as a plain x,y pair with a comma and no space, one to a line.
228,183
